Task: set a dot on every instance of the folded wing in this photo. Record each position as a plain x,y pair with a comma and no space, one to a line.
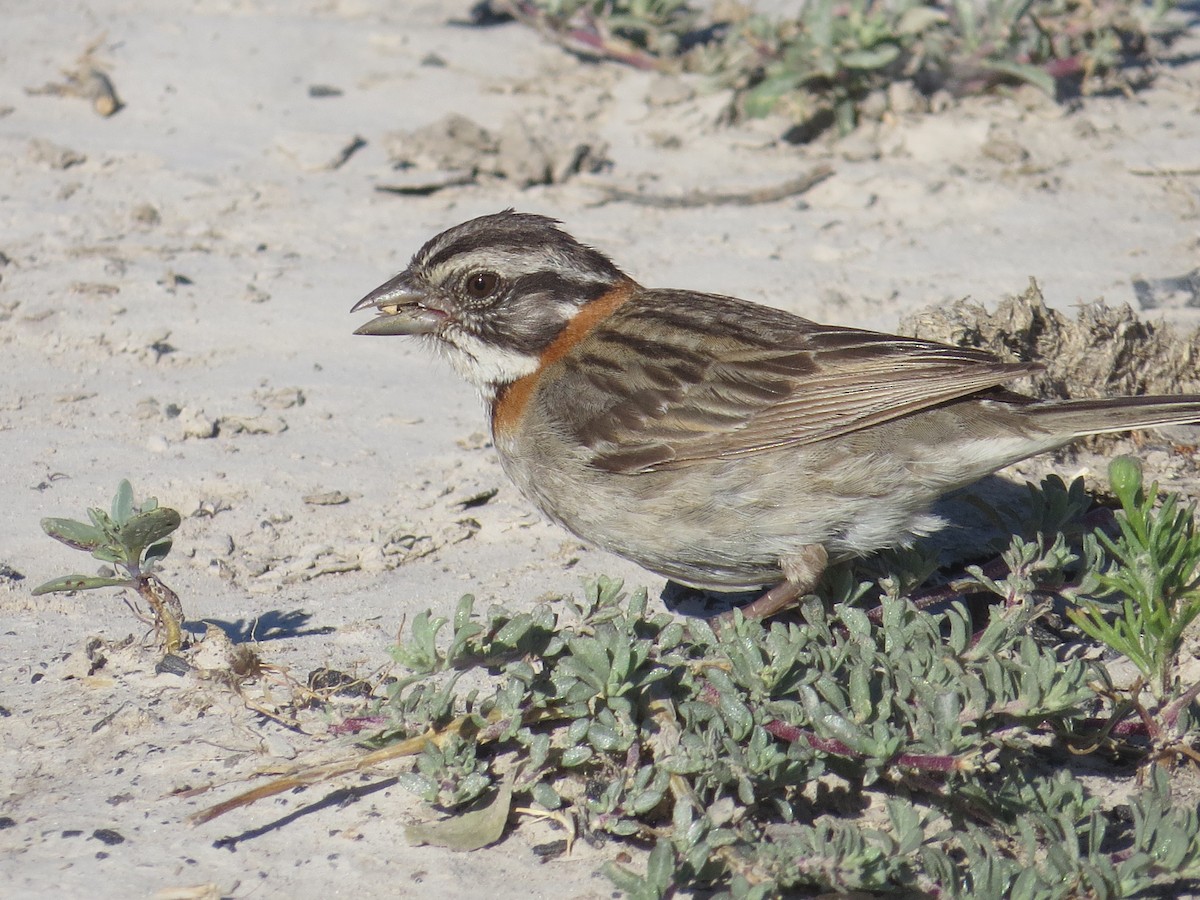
682,377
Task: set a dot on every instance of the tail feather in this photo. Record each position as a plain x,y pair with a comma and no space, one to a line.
1079,418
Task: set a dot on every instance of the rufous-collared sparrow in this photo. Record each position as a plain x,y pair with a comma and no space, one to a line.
720,443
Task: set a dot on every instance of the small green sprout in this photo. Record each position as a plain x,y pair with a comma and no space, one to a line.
133,539
1154,579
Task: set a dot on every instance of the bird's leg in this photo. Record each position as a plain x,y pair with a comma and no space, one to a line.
773,601
801,572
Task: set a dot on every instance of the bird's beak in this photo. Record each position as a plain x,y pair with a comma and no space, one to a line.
402,308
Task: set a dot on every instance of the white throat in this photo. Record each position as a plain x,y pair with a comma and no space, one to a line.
485,365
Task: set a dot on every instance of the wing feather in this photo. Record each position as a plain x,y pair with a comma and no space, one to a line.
702,377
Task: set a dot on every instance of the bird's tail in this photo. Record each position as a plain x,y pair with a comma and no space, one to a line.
1078,418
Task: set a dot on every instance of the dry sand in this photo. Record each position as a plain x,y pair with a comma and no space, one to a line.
174,290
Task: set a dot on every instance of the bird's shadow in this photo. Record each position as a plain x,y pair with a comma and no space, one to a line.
274,625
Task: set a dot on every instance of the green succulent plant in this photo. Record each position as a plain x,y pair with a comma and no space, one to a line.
133,539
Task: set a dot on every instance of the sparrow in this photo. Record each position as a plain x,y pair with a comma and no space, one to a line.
722,444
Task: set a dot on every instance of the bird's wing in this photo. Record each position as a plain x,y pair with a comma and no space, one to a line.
677,377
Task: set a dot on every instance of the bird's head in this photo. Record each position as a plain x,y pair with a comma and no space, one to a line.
493,294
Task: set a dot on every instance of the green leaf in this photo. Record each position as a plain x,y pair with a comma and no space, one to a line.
1035,75
516,628
630,882
420,653
101,520
603,737
79,583
145,529
590,661
546,796
661,866
646,801
157,551
75,534
576,756
857,622
111,553
868,58
464,611
122,504
469,831
760,100
1125,478
738,718
917,19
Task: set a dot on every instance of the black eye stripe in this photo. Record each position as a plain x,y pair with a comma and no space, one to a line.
558,285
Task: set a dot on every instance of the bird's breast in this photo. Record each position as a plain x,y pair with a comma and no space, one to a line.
509,406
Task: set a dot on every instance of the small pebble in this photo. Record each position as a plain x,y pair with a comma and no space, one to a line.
108,836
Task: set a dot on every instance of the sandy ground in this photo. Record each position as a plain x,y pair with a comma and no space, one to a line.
174,289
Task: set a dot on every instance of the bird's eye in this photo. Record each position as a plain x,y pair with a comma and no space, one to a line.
482,284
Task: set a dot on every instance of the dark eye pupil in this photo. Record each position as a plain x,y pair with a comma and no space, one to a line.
482,284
